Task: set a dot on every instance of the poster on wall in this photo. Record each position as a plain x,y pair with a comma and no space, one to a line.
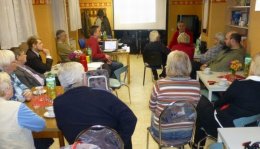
257,5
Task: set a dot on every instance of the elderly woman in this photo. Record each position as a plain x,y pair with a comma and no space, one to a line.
219,42
25,74
17,120
184,45
8,64
176,86
153,46
81,107
240,100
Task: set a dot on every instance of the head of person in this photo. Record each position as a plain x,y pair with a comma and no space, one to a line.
6,89
181,26
255,66
219,38
178,64
20,55
100,13
183,38
235,40
228,38
61,35
71,75
95,31
35,43
154,36
7,61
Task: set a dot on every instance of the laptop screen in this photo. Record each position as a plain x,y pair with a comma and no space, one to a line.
110,45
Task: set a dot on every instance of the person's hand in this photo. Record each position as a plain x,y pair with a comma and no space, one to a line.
202,67
46,52
108,57
27,95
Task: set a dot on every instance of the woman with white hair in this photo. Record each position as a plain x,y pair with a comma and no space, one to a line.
81,107
240,100
8,64
176,86
219,42
17,120
156,46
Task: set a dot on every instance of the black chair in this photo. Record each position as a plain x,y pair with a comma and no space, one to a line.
152,59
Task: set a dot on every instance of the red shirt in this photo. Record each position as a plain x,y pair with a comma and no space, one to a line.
187,48
175,36
97,54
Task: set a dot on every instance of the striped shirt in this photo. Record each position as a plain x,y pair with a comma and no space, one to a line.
168,90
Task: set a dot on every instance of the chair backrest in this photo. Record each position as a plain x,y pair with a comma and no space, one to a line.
82,43
98,79
102,136
152,58
243,121
180,116
119,71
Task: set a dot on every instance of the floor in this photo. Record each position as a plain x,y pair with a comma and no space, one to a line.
140,96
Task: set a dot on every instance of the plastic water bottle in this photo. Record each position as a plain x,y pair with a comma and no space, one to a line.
248,60
104,35
51,85
90,54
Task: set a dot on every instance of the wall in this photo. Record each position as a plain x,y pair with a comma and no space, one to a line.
44,23
184,7
254,32
216,21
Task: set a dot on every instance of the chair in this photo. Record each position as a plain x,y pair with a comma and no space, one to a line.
118,82
178,117
82,43
98,79
152,59
101,136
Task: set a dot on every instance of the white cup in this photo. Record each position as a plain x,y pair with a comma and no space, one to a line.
207,70
50,111
223,82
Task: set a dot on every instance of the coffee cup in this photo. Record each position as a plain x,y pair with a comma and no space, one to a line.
207,70
223,82
50,111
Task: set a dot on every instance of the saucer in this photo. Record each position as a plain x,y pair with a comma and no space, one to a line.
41,92
47,115
224,85
209,73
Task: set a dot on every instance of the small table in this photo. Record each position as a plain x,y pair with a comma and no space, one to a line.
51,130
122,52
233,138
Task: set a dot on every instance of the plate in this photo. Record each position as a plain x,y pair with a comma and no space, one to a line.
224,85
41,92
208,73
47,115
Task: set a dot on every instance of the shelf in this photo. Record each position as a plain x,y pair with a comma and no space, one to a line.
240,7
236,26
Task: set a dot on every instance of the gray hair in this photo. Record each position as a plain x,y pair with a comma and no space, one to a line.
255,65
71,75
6,58
178,64
220,37
5,83
154,36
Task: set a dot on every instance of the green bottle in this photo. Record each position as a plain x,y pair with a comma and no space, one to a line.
51,85
247,63
90,54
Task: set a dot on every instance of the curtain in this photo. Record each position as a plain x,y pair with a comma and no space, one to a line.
59,14
74,14
17,22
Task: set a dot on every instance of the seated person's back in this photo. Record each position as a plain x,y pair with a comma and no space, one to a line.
81,107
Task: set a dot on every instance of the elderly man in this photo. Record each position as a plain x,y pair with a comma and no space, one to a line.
26,75
81,107
63,46
34,59
8,64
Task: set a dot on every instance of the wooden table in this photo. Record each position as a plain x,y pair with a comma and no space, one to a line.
122,52
234,137
51,130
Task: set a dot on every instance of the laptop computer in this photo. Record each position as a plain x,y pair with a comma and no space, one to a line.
110,45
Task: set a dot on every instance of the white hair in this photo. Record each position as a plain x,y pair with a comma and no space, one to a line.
71,75
220,37
154,36
5,83
6,58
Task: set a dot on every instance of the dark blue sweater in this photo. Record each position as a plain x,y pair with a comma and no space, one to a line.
81,107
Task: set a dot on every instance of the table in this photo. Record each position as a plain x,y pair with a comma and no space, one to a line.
234,137
51,130
122,52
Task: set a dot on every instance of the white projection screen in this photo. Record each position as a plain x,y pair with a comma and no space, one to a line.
139,14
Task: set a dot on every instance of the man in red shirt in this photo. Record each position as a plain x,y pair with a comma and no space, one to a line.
181,28
97,54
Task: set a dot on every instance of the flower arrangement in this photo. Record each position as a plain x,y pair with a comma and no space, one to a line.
235,65
75,55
